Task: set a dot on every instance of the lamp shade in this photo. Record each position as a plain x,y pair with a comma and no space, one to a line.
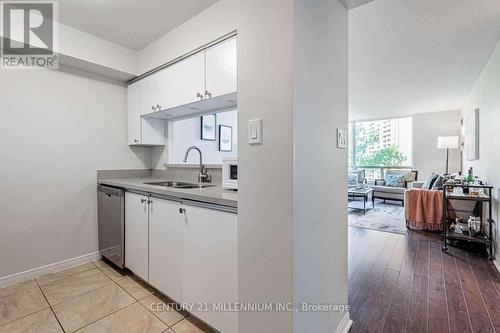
447,142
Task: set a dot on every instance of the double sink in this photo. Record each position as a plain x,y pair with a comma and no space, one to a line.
181,185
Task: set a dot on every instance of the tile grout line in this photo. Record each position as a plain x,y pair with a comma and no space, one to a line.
22,317
43,294
135,300
50,306
112,313
79,295
113,281
139,301
62,277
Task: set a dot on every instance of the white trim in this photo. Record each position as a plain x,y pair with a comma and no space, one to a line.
497,265
345,324
51,268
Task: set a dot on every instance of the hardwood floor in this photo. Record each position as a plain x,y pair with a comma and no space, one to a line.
406,283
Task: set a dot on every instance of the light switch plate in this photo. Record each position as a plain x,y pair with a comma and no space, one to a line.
255,131
341,138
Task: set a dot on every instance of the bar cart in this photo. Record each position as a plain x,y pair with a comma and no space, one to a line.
484,236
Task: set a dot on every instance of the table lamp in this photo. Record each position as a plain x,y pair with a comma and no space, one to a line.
447,142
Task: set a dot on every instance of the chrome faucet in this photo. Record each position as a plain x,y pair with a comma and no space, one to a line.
202,175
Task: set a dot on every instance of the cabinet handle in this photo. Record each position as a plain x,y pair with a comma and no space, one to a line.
199,95
182,210
135,140
158,106
150,202
153,108
207,93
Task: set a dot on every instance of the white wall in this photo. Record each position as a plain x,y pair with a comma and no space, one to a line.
186,132
265,184
319,169
485,96
427,158
56,130
266,239
212,23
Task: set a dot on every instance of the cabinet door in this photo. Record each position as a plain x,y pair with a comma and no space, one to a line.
165,241
209,264
133,113
181,83
136,234
150,93
221,68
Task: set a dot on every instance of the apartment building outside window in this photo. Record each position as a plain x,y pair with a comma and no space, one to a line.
378,145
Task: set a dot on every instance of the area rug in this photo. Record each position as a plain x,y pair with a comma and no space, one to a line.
384,217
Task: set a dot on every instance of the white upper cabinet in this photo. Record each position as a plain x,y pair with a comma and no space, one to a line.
195,85
179,84
220,68
151,91
143,131
133,112
182,83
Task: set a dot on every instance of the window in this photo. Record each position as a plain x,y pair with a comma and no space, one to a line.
381,144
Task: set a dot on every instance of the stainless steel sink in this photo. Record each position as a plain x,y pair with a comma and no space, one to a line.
178,184
194,186
168,183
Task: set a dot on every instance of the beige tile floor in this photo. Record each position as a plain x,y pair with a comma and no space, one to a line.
92,297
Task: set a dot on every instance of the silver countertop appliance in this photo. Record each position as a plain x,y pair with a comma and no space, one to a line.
111,224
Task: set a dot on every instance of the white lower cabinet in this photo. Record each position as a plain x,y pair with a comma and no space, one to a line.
136,234
209,265
165,243
191,251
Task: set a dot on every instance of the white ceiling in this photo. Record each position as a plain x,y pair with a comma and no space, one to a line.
415,56
131,23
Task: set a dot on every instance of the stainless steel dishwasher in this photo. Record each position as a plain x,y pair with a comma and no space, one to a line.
111,224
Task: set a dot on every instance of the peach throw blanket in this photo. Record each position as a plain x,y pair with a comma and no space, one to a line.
424,209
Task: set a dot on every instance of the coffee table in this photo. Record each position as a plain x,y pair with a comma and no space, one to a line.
365,194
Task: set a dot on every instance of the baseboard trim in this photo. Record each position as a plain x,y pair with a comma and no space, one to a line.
497,265
51,268
345,324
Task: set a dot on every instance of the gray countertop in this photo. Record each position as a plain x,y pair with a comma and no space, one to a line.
214,195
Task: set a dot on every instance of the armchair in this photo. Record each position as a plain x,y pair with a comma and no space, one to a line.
355,178
381,190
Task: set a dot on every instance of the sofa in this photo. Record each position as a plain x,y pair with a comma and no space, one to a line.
385,189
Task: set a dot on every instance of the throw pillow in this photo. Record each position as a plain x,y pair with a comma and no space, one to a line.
430,181
439,183
395,180
352,179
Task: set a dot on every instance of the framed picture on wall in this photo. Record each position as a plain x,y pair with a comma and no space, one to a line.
208,124
225,138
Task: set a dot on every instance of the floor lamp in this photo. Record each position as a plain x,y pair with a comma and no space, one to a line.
447,142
